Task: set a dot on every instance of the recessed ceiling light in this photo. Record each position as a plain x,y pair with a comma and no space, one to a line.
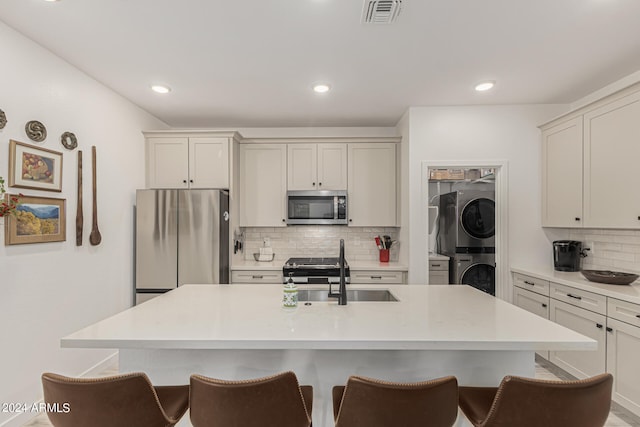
481,87
321,88
160,89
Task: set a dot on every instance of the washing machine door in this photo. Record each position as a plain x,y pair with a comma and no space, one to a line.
480,276
478,218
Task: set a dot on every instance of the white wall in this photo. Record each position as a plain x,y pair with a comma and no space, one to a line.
50,290
481,133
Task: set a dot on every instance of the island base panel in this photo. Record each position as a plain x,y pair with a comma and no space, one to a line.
325,368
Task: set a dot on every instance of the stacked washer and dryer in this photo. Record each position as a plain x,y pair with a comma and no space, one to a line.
466,234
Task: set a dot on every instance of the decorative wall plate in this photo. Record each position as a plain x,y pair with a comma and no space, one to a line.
3,119
69,140
36,131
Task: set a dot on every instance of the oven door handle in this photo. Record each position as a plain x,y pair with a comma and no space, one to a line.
335,207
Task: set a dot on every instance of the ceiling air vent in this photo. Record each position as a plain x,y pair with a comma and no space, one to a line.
381,11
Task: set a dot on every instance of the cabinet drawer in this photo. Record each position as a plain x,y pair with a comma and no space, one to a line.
256,276
579,298
438,265
360,277
624,311
533,284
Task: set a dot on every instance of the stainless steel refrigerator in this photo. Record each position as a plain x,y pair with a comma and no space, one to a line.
182,237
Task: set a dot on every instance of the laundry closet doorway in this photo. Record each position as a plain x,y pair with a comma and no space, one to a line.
464,207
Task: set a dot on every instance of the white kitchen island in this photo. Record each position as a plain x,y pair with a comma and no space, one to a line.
242,331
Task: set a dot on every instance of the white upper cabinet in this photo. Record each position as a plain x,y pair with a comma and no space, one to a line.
372,184
209,162
562,174
263,185
611,154
186,162
589,163
317,166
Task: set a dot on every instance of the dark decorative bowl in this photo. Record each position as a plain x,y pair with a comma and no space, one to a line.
609,277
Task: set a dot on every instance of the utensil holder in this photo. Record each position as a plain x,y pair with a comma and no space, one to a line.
384,255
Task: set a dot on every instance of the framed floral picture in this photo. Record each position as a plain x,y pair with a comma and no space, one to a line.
34,167
36,220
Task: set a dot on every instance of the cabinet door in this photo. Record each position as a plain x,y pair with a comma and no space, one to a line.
623,348
438,277
167,162
533,303
612,150
263,185
581,364
302,167
209,163
562,175
332,167
372,184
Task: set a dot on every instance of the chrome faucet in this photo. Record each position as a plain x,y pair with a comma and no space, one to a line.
342,291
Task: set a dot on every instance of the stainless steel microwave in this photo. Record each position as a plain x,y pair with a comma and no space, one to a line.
316,207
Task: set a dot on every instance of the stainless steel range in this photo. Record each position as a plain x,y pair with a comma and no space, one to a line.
314,270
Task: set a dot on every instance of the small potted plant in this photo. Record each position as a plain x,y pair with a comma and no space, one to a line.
8,206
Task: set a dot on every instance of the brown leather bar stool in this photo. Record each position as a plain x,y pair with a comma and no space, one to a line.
527,402
120,400
367,402
277,401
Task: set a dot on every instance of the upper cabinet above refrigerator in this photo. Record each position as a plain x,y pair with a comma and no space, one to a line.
189,161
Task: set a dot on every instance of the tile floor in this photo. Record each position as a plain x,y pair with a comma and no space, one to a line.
619,417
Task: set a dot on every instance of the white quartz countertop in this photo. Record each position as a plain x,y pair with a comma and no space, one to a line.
252,317
353,265
630,293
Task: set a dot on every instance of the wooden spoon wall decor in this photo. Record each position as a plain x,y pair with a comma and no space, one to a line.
94,238
79,214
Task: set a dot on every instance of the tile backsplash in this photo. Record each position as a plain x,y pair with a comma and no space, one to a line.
319,241
612,249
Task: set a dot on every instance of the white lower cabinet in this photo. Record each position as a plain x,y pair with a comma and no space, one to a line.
623,348
438,272
256,276
581,364
533,303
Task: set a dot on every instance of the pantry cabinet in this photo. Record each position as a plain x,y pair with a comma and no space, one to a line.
187,162
317,166
372,184
588,165
263,185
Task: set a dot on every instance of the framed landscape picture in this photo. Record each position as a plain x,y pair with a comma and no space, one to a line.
34,167
37,220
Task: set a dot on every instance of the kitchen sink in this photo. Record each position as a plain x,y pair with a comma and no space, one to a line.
353,295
